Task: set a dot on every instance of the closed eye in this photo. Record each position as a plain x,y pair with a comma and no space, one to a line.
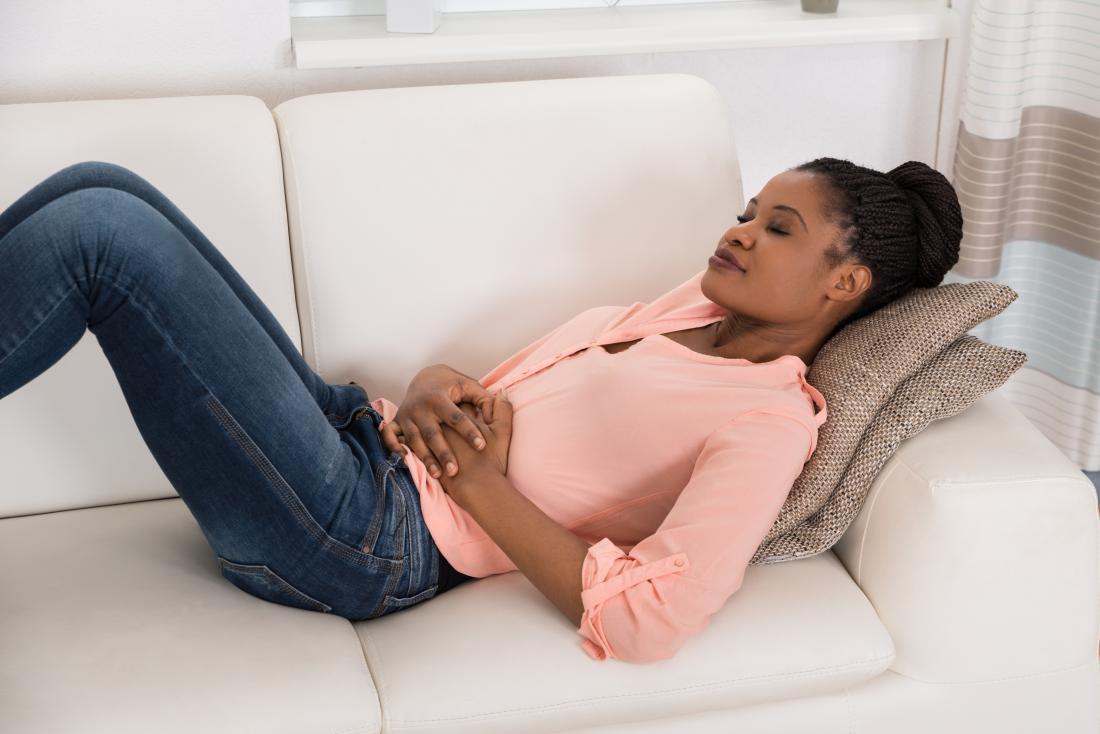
742,220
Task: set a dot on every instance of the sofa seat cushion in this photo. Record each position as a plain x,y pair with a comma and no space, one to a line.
494,655
117,619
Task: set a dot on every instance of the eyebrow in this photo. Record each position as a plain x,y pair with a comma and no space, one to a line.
787,208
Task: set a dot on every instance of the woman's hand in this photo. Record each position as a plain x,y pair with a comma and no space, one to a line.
478,467
431,403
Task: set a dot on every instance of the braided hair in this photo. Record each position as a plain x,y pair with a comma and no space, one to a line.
905,225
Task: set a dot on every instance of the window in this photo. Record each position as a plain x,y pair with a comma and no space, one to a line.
327,8
328,34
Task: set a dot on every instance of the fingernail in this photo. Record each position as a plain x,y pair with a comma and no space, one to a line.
435,471
479,443
451,469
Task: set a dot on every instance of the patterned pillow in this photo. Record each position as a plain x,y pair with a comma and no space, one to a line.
859,370
946,386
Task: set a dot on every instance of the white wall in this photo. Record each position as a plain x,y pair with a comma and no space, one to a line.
877,104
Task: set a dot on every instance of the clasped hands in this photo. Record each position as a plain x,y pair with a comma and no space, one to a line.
449,419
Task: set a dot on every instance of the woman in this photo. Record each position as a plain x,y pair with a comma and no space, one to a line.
673,429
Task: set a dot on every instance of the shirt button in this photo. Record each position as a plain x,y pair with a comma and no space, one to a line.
679,562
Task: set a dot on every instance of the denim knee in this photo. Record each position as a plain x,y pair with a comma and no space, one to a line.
98,173
109,233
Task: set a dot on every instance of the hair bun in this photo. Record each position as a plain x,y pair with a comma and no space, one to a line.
938,216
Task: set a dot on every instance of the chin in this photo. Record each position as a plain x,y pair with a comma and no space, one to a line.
708,290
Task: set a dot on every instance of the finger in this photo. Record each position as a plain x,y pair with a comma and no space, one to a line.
415,441
389,437
442,450
398,438
476,418
504,410
432,431
485,405
474,392
463,422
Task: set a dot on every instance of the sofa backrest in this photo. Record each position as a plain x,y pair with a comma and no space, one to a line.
458,223
451,224
68,437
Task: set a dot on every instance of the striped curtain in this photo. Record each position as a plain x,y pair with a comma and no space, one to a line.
1027,170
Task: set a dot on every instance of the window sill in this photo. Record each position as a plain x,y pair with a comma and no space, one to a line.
362,40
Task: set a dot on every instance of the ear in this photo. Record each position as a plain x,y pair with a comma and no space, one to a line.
851,283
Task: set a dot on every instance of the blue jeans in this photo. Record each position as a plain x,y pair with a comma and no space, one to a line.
285,474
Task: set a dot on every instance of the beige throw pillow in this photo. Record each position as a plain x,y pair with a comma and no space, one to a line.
859,369
946,386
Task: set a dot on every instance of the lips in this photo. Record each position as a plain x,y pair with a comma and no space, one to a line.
728,256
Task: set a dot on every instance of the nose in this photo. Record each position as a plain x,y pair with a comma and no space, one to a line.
740,234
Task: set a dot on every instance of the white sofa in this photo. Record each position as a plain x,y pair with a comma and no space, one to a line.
390,229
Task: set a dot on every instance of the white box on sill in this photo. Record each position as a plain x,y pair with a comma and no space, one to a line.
413,16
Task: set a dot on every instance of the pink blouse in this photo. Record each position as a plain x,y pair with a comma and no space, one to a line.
671,464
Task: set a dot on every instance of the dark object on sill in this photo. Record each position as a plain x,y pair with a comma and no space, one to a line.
819,6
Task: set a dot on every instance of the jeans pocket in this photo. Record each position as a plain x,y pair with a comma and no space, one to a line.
387,534
260,581
393,603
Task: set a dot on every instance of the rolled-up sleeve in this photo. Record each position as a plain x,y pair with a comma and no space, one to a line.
641,606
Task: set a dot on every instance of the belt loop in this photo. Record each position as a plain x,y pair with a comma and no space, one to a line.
366,408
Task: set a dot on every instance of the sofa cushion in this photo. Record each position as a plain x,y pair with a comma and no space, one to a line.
493,655
117,619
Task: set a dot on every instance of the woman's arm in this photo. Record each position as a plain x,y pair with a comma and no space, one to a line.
545,552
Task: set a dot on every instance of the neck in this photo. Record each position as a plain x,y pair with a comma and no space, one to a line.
740,341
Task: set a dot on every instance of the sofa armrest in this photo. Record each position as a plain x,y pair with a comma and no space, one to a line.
979,546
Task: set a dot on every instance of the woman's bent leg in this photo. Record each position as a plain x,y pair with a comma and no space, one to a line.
101,174
232,421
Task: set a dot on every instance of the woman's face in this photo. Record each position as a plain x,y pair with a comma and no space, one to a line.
780,240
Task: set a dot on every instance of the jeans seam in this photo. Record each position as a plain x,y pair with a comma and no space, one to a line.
41,323
391,584
262,569
414,555
400,527
422,595
380,474
389,600
395,576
